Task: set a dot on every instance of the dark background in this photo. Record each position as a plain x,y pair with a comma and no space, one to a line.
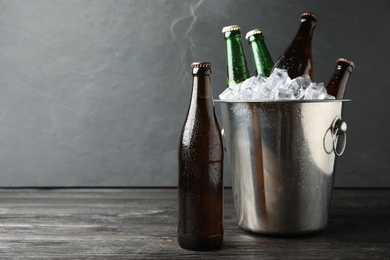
94,93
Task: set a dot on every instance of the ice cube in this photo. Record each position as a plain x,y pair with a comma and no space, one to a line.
277,78
285,94
244,94
253,89
226,94
310,91
261,93
296,88
315,91
243,91
251,82
327,96
305,80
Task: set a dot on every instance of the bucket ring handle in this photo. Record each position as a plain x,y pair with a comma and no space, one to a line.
339,127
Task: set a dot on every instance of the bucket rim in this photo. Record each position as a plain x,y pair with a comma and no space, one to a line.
283,101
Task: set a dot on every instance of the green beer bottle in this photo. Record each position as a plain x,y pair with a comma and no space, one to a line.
237,68
261,58
338,81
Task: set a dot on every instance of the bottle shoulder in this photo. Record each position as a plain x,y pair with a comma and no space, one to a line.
200,128
201,142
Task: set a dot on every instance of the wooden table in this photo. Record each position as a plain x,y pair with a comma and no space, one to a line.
141,224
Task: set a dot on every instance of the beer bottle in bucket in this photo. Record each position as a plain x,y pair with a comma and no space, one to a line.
237,68
200,156
261,57
338,81
297,59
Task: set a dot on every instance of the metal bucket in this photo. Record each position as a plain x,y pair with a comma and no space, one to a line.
282,157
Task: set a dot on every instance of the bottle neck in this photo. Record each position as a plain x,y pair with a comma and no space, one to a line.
338,81
297,59
303,39
262,60
202,97
305,31
237,68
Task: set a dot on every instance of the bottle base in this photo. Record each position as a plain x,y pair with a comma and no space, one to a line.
200,245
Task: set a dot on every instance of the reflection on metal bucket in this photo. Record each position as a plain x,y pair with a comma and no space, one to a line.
282,158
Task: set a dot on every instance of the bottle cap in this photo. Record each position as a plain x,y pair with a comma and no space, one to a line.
349,62
253,32
201,64
230,28
309,16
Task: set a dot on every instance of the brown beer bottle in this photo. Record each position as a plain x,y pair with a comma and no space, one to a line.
338,81
200,187
297,59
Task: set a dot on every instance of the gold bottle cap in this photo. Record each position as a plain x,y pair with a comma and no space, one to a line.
253,32
201,64
349,62
309,15
230,28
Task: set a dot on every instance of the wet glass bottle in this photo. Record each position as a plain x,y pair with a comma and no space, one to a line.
261,57
297,59
237,68
339,79
200,156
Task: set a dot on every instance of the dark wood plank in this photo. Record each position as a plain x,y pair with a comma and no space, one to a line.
141,224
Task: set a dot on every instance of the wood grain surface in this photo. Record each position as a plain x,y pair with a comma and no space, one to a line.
141,224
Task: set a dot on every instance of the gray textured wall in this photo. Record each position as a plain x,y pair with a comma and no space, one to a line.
94,93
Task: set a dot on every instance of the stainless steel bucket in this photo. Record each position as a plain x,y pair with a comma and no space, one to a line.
282,157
